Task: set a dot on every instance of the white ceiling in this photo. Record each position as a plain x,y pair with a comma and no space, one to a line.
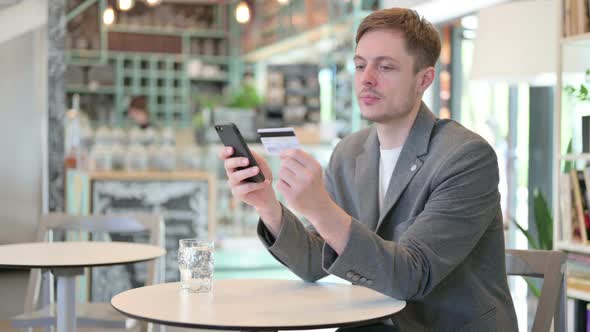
439,11
20,18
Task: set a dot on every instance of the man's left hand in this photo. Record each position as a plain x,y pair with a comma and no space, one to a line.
302,185
300,182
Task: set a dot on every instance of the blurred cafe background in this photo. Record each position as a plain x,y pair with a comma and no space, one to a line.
108,106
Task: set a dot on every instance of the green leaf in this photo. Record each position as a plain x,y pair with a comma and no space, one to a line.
532,286
532,242
583,90
543,220
568,164
570,90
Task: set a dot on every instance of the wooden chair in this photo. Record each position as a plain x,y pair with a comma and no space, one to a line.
549,265
39,307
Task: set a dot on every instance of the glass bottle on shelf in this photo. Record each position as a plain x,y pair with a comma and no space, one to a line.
136,158
101,158
72,153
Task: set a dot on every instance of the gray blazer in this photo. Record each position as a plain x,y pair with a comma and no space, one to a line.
438,241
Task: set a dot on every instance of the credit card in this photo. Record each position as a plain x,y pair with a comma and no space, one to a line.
275,140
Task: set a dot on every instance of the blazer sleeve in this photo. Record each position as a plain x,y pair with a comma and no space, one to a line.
298,247
464,200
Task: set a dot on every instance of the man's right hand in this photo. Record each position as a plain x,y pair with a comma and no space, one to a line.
259,195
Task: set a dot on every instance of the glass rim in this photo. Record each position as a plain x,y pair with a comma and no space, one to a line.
195,242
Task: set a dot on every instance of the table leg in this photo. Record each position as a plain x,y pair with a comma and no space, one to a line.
66,299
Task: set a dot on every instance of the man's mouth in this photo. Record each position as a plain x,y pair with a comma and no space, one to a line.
369,99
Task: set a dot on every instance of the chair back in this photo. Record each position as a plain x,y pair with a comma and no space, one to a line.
153,224
549,265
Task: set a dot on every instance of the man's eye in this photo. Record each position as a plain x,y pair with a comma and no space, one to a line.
359,67
385,68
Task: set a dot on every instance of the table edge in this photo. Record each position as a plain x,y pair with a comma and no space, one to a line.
28,267
67,266
254,328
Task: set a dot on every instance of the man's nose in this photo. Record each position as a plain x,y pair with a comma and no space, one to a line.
369,77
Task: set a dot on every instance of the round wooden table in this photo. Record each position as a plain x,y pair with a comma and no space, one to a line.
67,260
258,304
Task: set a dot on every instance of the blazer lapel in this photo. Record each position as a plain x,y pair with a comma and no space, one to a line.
367,181
408,163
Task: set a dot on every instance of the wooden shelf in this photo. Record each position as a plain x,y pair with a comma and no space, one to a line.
85,89
577,40
575,157
578,294
213,59
573,247
220,79
206,33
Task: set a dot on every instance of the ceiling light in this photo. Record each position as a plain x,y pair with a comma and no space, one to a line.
108,16
242,13
283,2
125,5
153,2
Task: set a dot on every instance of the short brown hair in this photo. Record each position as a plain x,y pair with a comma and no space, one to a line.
422,39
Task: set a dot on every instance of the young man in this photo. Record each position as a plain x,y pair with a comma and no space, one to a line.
408,207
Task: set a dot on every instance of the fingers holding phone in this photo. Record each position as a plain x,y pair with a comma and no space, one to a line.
240,172
231,137
249,176
260,195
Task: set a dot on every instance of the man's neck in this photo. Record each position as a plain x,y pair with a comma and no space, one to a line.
393,134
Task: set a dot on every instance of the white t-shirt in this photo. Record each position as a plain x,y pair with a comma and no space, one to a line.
387,162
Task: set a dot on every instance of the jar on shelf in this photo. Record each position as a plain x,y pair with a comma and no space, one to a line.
189,159
118,157
148,136
136,158
103,135
153,155
134,136
72,139
167,158
167,137
100,158
118,136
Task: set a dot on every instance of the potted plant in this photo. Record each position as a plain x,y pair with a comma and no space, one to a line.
544,237
544,222
580,93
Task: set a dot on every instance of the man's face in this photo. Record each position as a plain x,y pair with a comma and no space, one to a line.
385,83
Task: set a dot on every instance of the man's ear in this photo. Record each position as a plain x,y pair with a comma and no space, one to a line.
425,78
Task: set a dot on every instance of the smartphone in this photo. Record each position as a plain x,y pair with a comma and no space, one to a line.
230,136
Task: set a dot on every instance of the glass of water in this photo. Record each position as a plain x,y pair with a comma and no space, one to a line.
195,262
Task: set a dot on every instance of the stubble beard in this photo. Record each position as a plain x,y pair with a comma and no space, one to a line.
393,115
